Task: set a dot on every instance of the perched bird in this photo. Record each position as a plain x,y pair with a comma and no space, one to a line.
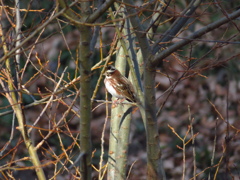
118,85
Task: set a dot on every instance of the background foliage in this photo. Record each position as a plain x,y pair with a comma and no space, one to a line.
197,93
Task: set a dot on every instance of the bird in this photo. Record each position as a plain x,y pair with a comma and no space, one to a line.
118,85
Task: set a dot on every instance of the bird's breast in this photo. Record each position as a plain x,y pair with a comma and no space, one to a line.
111,89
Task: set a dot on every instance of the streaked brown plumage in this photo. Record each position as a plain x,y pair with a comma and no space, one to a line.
118,85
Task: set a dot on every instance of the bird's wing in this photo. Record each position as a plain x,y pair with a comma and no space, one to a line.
124,86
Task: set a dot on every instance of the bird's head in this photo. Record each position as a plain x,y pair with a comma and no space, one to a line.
111,70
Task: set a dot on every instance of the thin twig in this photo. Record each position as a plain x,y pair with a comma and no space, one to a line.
49,101
100,176
59,122
193,143
130,169
11,137
13,51
214,147
159,57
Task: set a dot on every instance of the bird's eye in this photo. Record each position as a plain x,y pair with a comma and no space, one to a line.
111,68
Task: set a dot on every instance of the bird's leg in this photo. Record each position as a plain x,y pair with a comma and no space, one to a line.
121,102
115,102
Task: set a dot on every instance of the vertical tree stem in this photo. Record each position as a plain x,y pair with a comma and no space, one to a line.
16,103
154,166
85,94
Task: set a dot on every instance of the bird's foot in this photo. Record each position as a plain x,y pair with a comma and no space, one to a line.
116,103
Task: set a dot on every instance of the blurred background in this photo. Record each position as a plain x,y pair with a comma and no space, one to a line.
197,88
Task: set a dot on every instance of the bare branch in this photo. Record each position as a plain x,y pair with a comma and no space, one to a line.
139,30
177,25
159,57
93,17
13,51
